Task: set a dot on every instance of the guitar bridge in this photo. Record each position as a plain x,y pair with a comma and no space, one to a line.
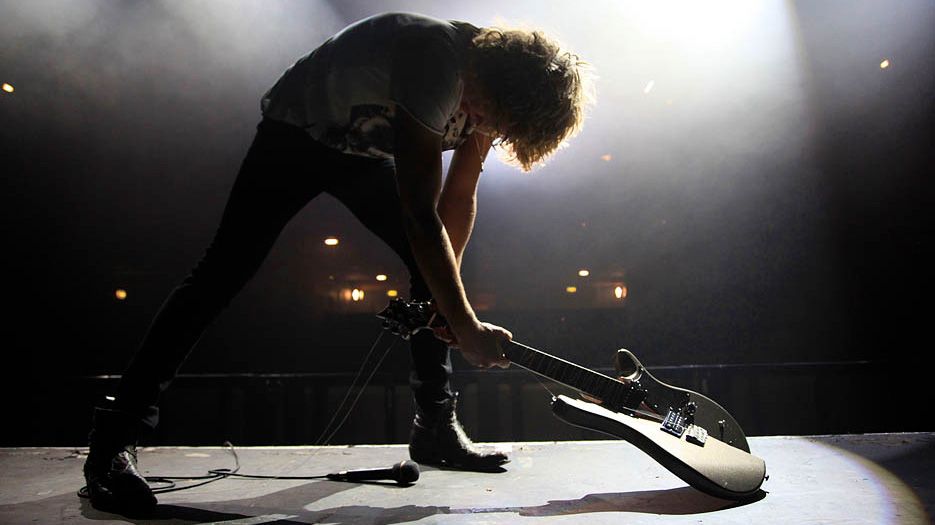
696,435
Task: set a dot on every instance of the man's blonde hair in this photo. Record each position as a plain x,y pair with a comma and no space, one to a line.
537,92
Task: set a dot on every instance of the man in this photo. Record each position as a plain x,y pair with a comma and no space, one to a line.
365,117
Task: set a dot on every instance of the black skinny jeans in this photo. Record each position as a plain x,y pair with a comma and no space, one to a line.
284,169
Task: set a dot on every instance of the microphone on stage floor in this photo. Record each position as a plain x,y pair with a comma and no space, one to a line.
404,473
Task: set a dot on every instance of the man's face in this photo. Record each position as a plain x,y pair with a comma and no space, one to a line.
479,114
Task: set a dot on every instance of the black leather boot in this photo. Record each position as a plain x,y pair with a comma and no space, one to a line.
113,482
438,439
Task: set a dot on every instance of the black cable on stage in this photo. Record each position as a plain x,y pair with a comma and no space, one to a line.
169,482
213,475
404,473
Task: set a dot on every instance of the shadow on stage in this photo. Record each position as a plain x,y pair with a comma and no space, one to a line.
289,506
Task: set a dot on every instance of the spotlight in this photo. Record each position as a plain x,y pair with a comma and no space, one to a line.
883,65
583,273
331,241
571,289
120,294
8,88
381,277
391,293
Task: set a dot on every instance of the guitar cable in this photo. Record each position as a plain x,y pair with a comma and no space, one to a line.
322,441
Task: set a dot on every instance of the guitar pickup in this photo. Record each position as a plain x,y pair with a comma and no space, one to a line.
674,423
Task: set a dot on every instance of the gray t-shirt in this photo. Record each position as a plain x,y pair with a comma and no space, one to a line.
346,92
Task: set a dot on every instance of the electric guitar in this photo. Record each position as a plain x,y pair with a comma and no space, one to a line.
684,431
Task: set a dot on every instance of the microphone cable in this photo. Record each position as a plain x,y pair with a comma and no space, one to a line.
164,484
168,483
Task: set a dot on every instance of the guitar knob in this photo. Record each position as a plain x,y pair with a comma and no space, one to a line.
691,408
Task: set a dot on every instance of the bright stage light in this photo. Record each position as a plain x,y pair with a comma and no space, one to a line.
331,241
357,295
885,64
698,23
571,289
120,294
583,273
391,293
381,277
7,87
620,292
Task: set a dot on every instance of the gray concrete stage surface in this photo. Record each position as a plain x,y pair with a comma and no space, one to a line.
878,479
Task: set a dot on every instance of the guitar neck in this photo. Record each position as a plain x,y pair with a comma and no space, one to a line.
612,392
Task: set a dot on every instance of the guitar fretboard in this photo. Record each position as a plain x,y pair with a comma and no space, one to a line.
613,393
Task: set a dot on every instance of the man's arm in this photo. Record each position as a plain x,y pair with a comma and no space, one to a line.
457,205
419,178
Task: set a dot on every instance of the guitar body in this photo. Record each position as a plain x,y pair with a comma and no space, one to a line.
660,397
713,467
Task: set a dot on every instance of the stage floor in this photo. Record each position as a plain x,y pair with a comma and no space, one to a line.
873,479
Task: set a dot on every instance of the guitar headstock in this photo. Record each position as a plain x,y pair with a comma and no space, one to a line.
404,318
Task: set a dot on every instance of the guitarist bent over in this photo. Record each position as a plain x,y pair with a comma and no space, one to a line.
364,117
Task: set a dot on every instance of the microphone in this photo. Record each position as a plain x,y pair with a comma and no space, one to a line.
404,473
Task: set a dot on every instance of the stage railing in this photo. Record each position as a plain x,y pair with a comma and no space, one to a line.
804,398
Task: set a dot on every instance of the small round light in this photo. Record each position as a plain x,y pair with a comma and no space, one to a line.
583,273
571,289
620,292
381,277
357,295
391,293
8,88
885,64
331,241
120,294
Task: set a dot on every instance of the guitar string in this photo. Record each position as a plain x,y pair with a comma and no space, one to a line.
535,374
647,415
540,382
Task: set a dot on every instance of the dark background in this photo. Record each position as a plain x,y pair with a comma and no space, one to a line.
751,175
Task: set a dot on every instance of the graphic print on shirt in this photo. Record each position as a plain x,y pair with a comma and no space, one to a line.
370,131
